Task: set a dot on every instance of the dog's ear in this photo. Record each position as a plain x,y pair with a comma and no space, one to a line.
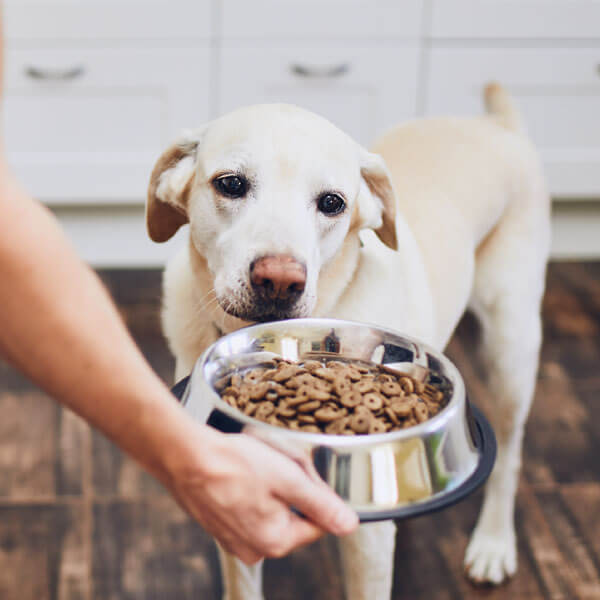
169,189
377,199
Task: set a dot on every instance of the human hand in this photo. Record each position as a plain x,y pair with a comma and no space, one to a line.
241,492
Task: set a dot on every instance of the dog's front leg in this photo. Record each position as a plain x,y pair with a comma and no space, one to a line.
240,582
368,561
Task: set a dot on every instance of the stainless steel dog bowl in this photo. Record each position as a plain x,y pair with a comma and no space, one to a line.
387,475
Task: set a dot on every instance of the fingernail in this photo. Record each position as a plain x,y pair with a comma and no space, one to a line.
345,521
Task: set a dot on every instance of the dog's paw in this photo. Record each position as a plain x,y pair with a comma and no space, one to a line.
491,558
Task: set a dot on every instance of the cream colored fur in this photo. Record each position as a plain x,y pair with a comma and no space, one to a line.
472,228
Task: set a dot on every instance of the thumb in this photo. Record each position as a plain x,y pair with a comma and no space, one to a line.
318,503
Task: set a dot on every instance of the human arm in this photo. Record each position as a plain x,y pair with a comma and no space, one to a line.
58,325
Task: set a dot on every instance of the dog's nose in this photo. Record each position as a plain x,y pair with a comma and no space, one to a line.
279,277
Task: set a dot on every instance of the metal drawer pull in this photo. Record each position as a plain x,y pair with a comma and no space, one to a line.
55,74
320,72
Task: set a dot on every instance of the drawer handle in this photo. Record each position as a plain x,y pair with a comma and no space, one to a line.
55,74
320,72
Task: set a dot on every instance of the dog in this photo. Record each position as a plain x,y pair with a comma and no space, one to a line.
289,217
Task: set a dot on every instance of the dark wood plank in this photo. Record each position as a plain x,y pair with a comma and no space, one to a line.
311,572
43,553
583,503
41,447
115,474
150,550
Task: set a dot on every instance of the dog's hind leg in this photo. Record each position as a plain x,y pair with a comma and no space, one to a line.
368,561
240,582
509,284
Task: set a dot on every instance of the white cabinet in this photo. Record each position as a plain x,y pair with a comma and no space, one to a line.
362,89
85,125
107,19
328,19
515,19
557,90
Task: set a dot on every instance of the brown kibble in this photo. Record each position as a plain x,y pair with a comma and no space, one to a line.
310,429
236,380
327,374
335,364
421,413
402,408
364,386
294,424
264,409
230,400
373,401
321,384
327,414
407,385
272,396
337,427
360,423
255,392
308,407
391,388
391,415
273,420
353,374
285,372
249,409
231,391
253,376
351,399
377,426
306,419
283,410
269,374
312,365
341,386
316,394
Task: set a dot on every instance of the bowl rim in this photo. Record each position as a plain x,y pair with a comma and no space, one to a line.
431,426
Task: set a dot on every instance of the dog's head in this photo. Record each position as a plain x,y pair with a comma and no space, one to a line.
271,192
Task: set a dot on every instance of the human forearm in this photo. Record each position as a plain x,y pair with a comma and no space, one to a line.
60,327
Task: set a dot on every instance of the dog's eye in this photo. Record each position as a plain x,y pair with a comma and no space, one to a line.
232,186
331,204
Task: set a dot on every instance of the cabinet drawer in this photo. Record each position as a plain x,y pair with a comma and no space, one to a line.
556,89
363,90
328,18
87,125
106,19
516,19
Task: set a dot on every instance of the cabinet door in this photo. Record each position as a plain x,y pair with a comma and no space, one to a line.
327,18
363,90
106,19
542,19
556,89
88,124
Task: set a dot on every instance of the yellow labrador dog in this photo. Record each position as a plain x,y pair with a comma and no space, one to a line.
289,217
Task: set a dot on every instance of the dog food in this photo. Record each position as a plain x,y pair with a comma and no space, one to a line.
342,398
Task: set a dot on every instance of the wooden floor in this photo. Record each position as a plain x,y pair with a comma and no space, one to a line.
80,521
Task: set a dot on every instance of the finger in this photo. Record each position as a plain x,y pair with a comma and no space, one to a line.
318,503
303,532
247,553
